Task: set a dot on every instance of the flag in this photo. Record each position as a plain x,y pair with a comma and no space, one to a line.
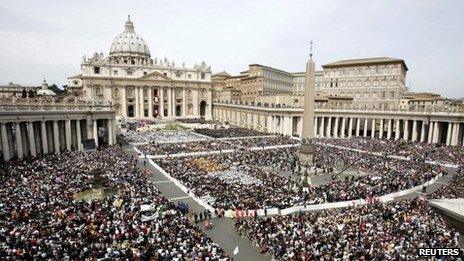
236,251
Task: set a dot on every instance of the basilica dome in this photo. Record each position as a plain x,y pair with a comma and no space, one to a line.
129,44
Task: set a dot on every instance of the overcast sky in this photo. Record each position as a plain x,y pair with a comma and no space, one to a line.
48,38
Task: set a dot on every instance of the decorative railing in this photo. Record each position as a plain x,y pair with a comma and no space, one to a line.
24,104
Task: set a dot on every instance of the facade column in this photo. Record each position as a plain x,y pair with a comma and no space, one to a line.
430,136
30,134
195,103
397,130
315,125
209,102
358,126
350,127
322,128
373,128
169,102
5,142
136,105
173,102
381,129
365,127
414,130
110,132
436,133
422,134
342,134
335,132
123,102
68,135
142,103
19,142
329,128
389,129
269,124
150,102
79,135
95,133
184,102
161,102
56,137
406,130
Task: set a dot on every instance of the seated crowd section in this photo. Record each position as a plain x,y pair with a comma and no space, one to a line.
41,218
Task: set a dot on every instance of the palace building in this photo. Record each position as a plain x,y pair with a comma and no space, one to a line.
140,87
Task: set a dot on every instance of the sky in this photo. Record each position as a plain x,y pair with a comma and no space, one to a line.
48,38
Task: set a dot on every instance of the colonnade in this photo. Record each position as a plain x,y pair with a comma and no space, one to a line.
389,128
20,138
429,128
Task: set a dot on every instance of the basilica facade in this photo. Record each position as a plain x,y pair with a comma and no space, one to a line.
140,87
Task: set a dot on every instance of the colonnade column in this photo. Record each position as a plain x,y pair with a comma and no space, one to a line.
56,138
455,139
365,128
5,143
43,132
30,134
414,130
19,143
430,136
358,126
150,102
342,135
169,102
350,127
68,135
406,130
422,136
397,130
335,133
435,132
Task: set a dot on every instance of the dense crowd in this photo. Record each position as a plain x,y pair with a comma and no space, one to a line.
231,132
372,232
161,136
413,150
382,176
214,145
42,216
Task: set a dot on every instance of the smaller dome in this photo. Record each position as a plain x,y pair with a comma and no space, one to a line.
129,43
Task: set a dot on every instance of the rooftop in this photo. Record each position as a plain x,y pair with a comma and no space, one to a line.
366,61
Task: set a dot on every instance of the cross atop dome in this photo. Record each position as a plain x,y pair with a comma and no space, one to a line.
129,25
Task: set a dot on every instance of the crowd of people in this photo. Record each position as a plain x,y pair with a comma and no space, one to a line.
231,132
413,150
381,176
161,136
214,145
378,231
42,216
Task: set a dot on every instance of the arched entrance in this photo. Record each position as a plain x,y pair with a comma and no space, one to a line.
202,108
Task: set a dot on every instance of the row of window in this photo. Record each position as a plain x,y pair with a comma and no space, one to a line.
97,70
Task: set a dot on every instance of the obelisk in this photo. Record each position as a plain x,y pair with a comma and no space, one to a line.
307,150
